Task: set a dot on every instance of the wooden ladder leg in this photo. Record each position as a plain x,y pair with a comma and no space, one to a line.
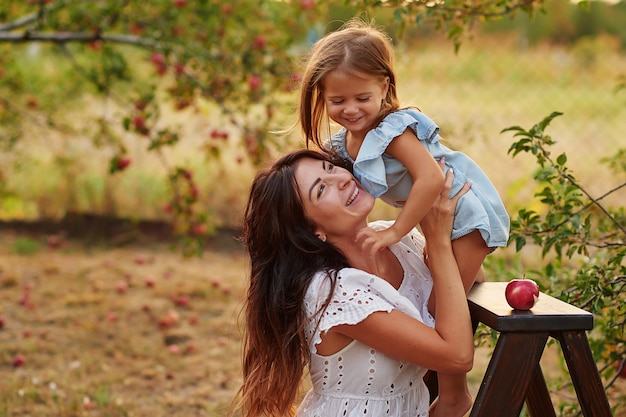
508,375
584,373
538,397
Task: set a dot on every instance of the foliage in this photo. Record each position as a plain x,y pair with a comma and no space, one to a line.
456,18
141,56
577,226
128,52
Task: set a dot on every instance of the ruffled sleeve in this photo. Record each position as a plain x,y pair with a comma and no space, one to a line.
337,143
357,294
369,166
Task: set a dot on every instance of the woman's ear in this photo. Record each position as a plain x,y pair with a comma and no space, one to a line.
321,236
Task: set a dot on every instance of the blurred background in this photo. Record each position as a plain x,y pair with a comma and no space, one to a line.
72,138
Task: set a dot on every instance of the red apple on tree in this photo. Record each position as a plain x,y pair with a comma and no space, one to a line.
307,4
621,368
254,82
522,294
123,163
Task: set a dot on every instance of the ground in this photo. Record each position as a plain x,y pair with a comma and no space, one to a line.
88,328
103,329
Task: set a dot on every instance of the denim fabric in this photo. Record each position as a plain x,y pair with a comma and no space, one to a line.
385,177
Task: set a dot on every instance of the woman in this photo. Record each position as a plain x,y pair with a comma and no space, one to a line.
360,321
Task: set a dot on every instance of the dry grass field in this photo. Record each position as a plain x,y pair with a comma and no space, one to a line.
139,330
102,331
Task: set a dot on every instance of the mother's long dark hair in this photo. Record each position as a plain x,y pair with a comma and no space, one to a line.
284,255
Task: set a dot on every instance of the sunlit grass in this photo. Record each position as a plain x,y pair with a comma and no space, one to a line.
491,84
93,348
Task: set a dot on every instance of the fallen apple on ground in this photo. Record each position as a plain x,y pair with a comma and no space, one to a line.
522,294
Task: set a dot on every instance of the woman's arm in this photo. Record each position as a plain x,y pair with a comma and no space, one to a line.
407,339
449,346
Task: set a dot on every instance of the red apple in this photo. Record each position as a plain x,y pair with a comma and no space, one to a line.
260,42
121,287
199,229
621,368
19,360
157,58
123,163
254,82
182,300
522,294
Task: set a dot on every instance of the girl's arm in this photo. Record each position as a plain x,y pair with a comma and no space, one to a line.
427,179
427,182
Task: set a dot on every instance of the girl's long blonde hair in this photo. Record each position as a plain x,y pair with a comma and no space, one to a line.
359,48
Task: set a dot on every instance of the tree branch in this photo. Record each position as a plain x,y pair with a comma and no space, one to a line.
33,17
80,37
486,9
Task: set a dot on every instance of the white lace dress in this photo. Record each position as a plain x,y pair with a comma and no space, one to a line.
358,380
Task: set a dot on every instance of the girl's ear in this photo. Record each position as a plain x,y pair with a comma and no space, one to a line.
386,86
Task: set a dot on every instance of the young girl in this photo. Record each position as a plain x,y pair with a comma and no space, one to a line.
349,78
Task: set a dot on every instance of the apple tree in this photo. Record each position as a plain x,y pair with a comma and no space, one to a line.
136,57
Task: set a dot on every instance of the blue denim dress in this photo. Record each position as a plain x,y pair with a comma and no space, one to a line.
385,177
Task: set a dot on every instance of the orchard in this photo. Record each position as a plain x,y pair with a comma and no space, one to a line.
135,62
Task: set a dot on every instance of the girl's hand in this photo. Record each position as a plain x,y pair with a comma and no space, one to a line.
373,241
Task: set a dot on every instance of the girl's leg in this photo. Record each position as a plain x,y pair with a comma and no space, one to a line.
454,398
470,252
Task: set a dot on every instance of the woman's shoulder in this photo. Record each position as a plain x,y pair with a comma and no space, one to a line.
325,284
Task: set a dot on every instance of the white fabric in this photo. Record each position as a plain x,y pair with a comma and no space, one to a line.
358,380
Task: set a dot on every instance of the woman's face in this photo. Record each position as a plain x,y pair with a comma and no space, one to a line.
332,198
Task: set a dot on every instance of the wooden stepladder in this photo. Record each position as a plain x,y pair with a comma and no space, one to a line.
514,375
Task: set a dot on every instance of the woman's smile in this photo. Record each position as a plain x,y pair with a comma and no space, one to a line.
353,196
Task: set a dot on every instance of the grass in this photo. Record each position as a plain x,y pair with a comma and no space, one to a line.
132,331
99,340
491,84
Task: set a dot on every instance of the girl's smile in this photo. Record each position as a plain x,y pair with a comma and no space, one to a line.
353,100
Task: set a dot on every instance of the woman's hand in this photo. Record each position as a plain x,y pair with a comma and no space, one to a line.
439,220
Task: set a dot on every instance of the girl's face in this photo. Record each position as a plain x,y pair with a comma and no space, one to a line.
332,198
354,101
